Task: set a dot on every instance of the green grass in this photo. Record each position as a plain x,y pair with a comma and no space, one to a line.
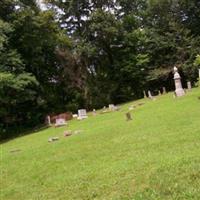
154,156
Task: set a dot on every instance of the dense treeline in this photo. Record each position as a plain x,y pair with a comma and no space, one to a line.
89,53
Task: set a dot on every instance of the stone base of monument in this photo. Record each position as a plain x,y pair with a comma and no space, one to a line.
180,92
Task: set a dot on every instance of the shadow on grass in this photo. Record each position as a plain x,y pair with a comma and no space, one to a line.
24,133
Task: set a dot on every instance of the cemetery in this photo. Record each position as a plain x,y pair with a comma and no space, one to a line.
147,148
99,100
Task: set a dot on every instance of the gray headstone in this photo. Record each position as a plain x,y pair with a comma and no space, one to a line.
164,90
149,94
178,85
82,114
189,85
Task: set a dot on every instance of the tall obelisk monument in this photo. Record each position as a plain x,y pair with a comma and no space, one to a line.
178,85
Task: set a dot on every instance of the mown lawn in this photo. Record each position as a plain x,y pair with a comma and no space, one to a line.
154,156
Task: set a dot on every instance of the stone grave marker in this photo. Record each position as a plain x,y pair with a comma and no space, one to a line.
60,122
94,112
149,94
128,116
189,85
178,85
164,90
82,114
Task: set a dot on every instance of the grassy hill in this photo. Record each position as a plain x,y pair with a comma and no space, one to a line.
154,156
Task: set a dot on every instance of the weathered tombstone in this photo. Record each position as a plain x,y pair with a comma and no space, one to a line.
159,93
164,90
189,85
144,92
60,122
82,114
149,94
128,116
111,107
49,120
94,112
75,115
104,110
178,85
67,133
53,139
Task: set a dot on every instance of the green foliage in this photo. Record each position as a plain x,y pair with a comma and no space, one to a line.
197,61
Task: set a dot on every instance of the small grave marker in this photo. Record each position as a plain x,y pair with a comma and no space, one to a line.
60,122
94,112
53,139
82,114
164,90
189,85
128,116
149,94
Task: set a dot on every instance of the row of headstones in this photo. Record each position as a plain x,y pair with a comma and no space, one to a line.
189,87
82,113
150,95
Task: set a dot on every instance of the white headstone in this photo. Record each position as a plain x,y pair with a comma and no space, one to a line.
75,115
60,122
178,85
149,94
111,107
82,114
48,120
164,90
94,112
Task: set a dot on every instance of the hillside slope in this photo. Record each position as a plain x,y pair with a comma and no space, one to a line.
154,156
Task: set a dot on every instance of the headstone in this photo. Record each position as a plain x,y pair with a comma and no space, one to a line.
60,122
159,93
94,112
49,120
104,110
67,133
189,85
66,116
149,94
75,115
82,114
111,107
53,139
178,85
164,90
128,116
